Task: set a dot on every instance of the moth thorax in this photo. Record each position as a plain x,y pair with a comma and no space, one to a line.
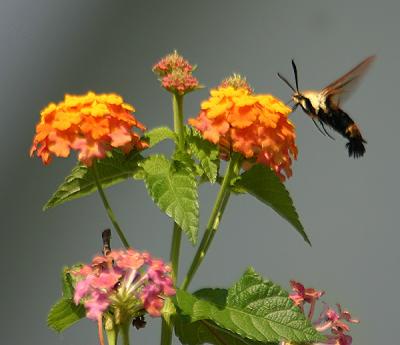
314,100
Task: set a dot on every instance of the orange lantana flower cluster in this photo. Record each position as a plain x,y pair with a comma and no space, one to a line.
91,124
256,126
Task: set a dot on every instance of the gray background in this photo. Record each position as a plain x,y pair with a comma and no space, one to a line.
348,206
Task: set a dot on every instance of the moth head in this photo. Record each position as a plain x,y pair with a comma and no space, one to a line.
299,99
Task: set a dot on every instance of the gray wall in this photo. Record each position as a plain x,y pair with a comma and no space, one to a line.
348,206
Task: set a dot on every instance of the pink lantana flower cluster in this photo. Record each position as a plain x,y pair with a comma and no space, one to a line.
175,74
125,283
333,323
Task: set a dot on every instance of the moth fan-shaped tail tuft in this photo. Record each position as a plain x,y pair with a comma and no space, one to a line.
356,147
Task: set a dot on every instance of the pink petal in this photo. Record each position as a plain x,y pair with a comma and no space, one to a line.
120,136
106,280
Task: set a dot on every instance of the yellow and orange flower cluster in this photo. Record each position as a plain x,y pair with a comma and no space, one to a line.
256,126
90,124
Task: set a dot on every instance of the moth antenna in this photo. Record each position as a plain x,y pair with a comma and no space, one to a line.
330,136
295,75
286,82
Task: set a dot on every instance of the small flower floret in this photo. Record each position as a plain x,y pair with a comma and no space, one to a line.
301,295
334,324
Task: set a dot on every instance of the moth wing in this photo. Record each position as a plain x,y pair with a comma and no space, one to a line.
340,89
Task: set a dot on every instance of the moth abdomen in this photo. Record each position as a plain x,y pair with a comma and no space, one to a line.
342,123
355,146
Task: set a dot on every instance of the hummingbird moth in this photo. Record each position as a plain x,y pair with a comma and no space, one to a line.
323,106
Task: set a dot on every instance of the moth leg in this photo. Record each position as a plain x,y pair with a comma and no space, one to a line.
322,124
316,125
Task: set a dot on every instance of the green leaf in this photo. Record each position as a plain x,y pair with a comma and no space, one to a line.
184,160
113,169
206,152
262,183
67,283
205,331
174,190
159,134
254,308
64,314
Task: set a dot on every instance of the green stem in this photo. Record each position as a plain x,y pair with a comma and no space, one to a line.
166,333
217,221
177,107
166,328
214,220
112,336
124,327
107,206
175,250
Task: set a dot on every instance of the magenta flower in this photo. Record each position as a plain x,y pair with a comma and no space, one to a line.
124,282
334,324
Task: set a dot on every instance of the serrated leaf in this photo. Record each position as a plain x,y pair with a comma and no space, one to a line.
64,314
254,308
207,332
206,152
262,183
174,190
113,169
185,160
159,134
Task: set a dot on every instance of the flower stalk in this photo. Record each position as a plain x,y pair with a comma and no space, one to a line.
166,332
107,206
214,220
100,331
124,328
177,107
112,336
175,251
